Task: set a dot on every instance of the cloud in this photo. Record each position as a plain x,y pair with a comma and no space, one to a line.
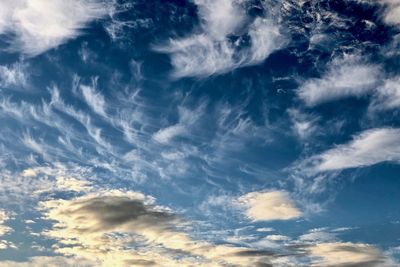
209,51
267,206
318,235
368,148
93,98
165,135
348,255
277,238
345,77
392,12
304,125
187,120
220,18
387,96
49,261
34,26
4,216
13,75
121,227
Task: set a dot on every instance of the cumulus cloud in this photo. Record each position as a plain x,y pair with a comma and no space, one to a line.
34,26
211,51
267,206
345,77
368,148
122,228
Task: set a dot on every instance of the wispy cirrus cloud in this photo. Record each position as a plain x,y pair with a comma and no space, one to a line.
210,50
345,77
94,98
367,148
14,75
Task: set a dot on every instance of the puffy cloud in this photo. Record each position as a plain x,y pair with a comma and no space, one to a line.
267,206
122,228
345,77
368,148
35,26
211,51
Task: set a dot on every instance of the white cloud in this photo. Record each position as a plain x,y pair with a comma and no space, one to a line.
93,98
4,229
368,148
35,26
267,206
345,77
387,96
221,17
277,238
13,75
165,135
392,12
211,52
4,244
304,125
318,235
265,38
187,120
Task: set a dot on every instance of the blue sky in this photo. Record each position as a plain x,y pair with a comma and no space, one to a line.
200,133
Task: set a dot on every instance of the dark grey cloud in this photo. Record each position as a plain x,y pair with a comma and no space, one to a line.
115,210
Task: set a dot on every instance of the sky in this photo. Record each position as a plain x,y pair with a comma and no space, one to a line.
215,133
